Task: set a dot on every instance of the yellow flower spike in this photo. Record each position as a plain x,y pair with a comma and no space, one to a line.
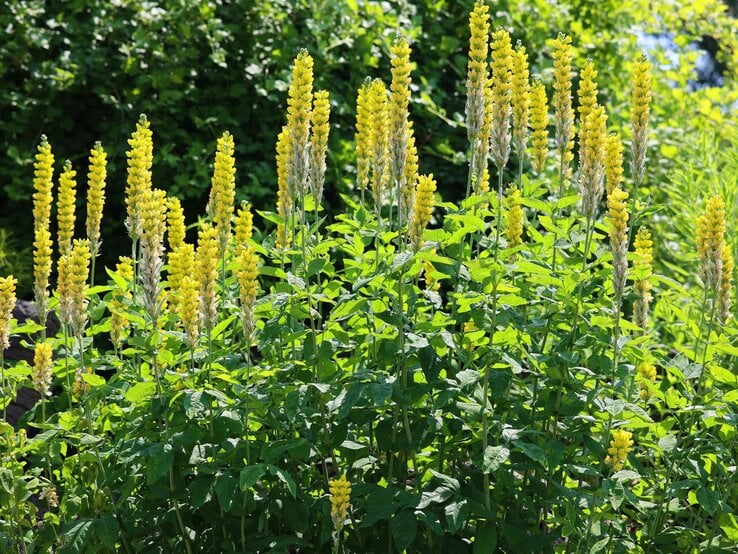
502,65
514,226
49,494
42,269
42,365
520,98
618,218
118,322
620,445
140,157
43,184
81,387
181,260
398,118
481,155
223,187
319,143
7,303
642,286
340,490
613,162
153,227
539,125
587,90
477,72
207,273
726,284
66,207
639,114
96,176
299,105
647,376
176,229
422,209
563,113
710,242
244,225
379,110
284,197
189,309
592,160
72,287
411,174
363,136
247,274
428,275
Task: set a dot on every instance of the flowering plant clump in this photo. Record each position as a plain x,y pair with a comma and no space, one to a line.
468,376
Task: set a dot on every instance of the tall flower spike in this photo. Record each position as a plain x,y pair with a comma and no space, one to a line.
481,155
620,446
299,104
613,162
244,225
726,284
502,64
319,143
247,274
363,136
379,110
639,113
647,376
43,184
42,270
618,216
176,229
587,90
96,177
42,364
514,226
7,303
118,322
477,72
65,208
140,157
399,102
189,309
710,242
207,269
284,196
223,188
72,286
592,160
643,268
563,113
340,500
153,227
520,98
422,209
181,261
539,125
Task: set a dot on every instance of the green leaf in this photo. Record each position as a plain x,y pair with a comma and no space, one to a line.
140,392
285,477
533,451
250,475
486,540
93,380
708,499
667,443
107,530
404,528
225,489
200,490
161,458
76,534
456,513
494,457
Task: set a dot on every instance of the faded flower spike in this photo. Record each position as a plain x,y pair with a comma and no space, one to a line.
411,174
319,143
643,266
477,73
726,284
363,136
710,242
647,376
520,98
563,112
640,110
42,364
299,105
140,158
613,162
284,197
539,125
340,500
398,107
96,176
620,446
207,263
422,209
618,216
502,67
247,273
118,322
7,303
514,228
379,110
65,208
153,227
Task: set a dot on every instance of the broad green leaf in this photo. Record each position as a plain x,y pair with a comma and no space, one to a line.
107,530
404,528
533,451
250,475
140,392
494,457
161,458
485,540
225,489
